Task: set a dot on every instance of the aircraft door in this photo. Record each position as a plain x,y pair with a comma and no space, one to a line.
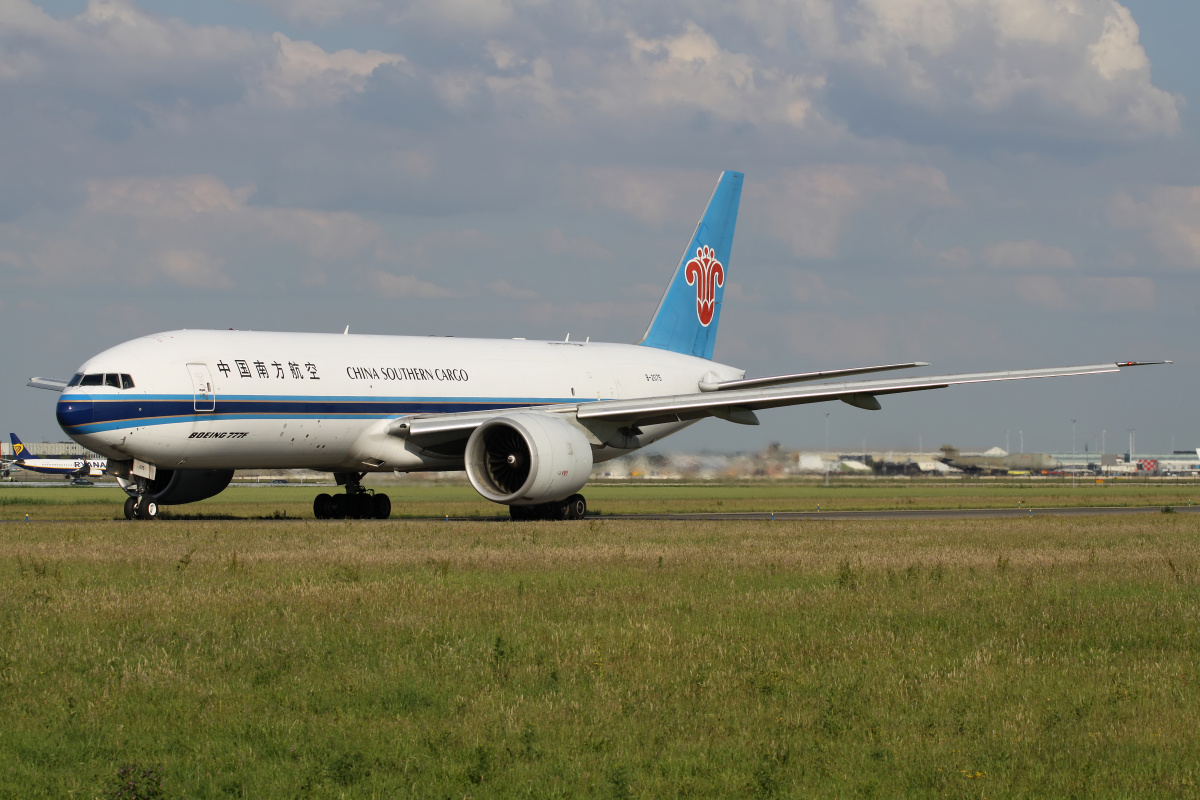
204,395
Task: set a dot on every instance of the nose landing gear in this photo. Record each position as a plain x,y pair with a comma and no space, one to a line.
140,507
356,503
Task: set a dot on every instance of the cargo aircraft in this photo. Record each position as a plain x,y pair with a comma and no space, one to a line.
177,412
67,467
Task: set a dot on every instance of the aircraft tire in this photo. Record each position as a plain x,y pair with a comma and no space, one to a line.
520,513
556,511
147,509
364,506
130,507
321,504
382,506
576,506
337,506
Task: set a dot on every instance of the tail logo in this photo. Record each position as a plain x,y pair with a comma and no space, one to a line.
706,274
18,448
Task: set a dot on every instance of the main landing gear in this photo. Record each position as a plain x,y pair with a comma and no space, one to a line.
356,503
140,507
574,507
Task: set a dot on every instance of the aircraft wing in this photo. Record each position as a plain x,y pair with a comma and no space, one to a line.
53,384
735,405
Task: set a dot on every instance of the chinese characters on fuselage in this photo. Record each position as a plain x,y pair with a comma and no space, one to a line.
293,371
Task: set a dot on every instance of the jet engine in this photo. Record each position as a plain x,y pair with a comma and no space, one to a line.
172,487
527,458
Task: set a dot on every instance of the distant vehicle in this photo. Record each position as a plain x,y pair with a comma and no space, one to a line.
81,482
67,467
279,483
1009,463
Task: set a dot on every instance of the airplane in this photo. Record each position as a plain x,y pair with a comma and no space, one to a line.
1034,463
177,412
67,467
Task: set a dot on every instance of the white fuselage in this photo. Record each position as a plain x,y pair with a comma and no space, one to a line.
245,399
63,466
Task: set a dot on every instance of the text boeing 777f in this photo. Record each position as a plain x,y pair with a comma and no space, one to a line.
176,413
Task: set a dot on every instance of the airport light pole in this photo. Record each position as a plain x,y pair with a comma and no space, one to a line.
826,431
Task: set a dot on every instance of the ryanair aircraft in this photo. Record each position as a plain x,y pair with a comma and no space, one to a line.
67,467
176,413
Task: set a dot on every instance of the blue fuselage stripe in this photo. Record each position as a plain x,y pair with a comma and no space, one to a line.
79,415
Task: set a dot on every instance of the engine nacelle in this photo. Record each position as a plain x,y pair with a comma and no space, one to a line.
528,458
172,487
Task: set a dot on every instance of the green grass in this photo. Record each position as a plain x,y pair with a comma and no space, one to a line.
460,500
1045,657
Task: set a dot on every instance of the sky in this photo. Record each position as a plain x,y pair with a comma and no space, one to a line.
981,184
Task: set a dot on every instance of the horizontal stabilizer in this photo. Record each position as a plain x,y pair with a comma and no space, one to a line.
53,384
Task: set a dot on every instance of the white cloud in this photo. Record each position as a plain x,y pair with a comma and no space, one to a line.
304,74
1028,254
809,287
204,204
1058,62
1122,293
502,288
558,243
1169,217
114,48
809,207
194,269
692,70
653,196
1042,290
407,287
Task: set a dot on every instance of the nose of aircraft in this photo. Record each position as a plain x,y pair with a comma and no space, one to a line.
74,409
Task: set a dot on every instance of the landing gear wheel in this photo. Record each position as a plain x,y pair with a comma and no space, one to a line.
147,509
361,507
520,513
130,507
382,505
337,506
576,506
321,506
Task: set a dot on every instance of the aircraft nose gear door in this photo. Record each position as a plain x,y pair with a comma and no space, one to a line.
205,396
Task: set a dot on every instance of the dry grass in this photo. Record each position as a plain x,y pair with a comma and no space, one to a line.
1043,657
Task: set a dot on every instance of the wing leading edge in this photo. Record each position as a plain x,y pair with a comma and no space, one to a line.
739,405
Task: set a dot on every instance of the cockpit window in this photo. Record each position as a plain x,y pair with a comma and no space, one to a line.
126,381
96,379
75,381
112,379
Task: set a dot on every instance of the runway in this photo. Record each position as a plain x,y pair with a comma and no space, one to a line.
766,516
914,514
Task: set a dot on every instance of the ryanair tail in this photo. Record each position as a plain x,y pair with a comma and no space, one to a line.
19,451
687,316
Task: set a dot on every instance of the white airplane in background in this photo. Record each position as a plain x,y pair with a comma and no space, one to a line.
176,413
67,467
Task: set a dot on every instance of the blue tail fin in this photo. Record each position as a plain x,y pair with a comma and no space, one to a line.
19,451
687,317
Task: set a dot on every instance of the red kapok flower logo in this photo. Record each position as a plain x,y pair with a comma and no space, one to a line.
706,273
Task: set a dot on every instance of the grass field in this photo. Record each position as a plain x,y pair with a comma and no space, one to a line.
460,500
1043,657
